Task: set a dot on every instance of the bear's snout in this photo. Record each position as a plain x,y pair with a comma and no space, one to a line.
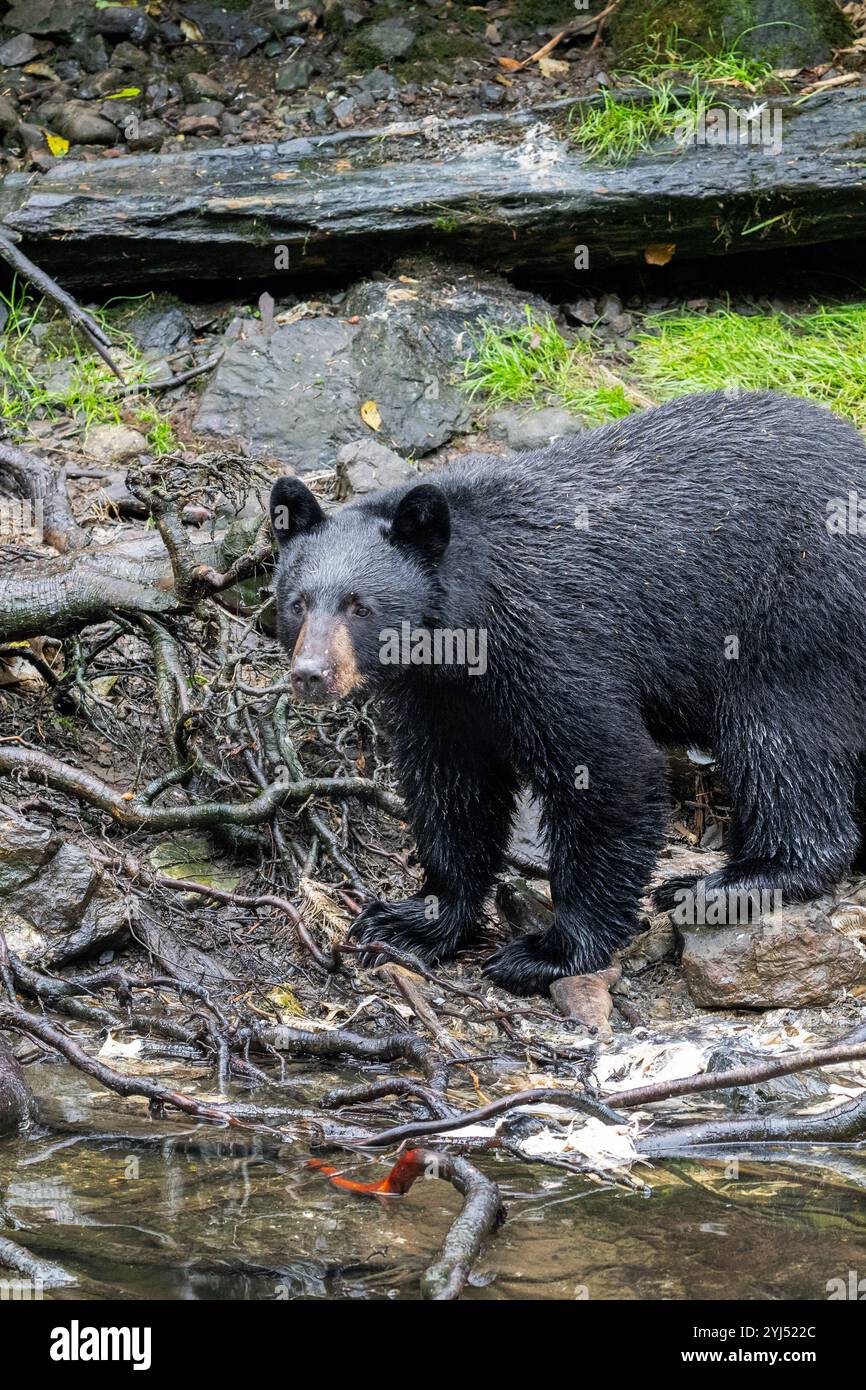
324,666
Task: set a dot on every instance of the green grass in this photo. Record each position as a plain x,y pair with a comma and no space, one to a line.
622,127
670,54
534,364
820,355
88,393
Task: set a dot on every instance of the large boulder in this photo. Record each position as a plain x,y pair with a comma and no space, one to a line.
788,958
786,33
296,393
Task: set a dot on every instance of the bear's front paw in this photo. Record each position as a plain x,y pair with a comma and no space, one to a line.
407,926
526,966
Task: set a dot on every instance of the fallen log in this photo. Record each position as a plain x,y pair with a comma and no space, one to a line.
514,193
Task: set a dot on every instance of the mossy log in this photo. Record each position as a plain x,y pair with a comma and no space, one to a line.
510,193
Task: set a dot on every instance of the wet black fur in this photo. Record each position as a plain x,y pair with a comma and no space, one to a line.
706,520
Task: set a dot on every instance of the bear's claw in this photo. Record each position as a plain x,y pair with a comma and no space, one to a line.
405,926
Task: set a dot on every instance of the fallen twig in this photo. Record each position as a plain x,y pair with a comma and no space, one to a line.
78,317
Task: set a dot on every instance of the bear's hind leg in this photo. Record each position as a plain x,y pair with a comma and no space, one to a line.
795,831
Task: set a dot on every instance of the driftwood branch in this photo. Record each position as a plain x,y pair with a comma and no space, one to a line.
78,317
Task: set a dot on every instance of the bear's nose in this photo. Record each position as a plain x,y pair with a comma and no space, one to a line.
308,680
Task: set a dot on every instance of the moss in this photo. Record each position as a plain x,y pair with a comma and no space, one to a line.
541,12
439,49
786,33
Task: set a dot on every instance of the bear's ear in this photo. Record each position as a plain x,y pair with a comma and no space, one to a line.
422,522
294,510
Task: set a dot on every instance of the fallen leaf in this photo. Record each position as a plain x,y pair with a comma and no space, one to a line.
124,93
510,64
56,144
190,31
659,253
370,415
41,70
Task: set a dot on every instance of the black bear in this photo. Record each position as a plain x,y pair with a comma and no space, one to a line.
695,574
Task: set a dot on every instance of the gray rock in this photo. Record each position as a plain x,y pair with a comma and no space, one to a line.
56,906
392,38
83,126
285,22
294,75
114,443
91,52
47,16
297,394
8,114
18,50
292,394
198,86
127,55
205,108
366,466
344,111
123,22
160,330
584,311
379,83
198,125
533,429
146,135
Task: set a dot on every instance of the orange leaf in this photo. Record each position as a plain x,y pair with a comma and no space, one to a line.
659,253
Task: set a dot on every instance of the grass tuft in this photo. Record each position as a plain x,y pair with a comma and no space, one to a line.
820,355
47,371
534,364
671,54
622,127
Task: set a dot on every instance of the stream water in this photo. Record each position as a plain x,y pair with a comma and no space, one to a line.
138,1208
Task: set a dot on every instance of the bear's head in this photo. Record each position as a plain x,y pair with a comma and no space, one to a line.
346,581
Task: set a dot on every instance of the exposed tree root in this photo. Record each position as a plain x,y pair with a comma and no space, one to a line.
752,1075
135,814
845,1124
29,476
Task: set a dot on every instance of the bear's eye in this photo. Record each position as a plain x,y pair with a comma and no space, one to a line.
356,608
298,607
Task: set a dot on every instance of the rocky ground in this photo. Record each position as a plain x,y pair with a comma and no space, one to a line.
98,81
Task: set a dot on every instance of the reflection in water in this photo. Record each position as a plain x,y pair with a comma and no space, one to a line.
162,1211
